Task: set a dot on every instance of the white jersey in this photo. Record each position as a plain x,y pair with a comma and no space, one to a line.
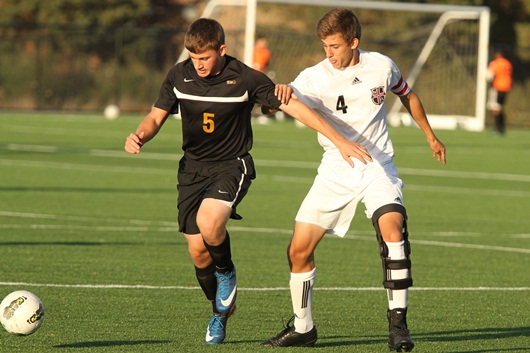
352,100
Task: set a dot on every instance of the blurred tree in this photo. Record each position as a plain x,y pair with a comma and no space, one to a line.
89,48
102,19
89,13
505,15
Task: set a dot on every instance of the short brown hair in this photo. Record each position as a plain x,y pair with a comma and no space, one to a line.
341,21
204,34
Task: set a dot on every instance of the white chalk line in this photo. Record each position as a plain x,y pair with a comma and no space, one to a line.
269,163
170,226
145,226
253,289
277,178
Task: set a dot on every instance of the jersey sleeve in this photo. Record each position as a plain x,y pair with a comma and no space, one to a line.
306,89
167,100
398,85
261,89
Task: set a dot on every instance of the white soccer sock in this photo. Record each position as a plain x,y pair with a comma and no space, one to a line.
397,298
302,297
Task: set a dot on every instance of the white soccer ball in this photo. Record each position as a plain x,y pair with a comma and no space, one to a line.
21,313
111,112
299,124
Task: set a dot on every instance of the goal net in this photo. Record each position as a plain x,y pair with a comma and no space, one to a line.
442,50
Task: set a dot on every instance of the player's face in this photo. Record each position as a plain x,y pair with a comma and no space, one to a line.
209,62
339,53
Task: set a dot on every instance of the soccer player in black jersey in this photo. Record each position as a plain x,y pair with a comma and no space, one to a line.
214,94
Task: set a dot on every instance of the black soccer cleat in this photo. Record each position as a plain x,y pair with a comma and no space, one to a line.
290,338
399,337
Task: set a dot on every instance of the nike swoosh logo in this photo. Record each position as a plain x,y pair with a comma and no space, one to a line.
208,337
222,192
188,80
230,298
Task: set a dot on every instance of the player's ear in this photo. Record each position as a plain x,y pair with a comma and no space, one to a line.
222,50
354,43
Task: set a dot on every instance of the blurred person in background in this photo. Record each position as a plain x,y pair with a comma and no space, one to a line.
500,72
262,55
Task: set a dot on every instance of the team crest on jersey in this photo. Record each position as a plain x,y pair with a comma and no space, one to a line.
231,82
378,95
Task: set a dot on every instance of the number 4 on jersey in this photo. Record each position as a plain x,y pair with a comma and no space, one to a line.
341,105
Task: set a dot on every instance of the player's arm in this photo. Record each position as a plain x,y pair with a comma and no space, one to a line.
284,94
412,102
146,130
311,119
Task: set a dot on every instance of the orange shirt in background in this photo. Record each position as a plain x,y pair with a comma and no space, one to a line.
501,69
262,55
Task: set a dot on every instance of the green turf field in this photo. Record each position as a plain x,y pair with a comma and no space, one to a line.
92,231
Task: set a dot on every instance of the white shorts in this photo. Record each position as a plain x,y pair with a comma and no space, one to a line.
332,200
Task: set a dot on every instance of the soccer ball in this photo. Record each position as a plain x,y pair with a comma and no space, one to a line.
111,112
21,313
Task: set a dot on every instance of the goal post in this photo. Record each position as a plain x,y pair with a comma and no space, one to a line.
473,122
442,50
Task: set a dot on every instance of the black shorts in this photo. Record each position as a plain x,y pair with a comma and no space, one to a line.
226,180
501,97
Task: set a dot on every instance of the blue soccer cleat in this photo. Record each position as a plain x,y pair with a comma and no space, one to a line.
216,331
225,298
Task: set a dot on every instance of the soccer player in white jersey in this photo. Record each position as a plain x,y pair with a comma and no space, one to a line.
348,89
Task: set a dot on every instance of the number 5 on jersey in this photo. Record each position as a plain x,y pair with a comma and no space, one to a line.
208,124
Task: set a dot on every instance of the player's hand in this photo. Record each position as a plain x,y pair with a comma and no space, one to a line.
284,93
352,149
438,150
134,143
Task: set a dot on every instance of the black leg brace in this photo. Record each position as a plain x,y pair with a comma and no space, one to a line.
389,264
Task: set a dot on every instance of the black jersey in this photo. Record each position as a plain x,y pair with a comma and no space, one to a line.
215,110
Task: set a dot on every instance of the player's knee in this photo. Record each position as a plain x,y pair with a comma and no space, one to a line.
199,255
398,229
394,236
298,255
212,230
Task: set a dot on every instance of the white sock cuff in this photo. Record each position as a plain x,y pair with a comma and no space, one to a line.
304,276
396,250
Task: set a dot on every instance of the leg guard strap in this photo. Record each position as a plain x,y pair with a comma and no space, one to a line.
387,263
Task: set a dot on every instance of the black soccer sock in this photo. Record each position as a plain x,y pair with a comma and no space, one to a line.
221,255
208,282
502,123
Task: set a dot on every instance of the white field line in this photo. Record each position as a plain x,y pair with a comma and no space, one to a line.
82,218
264,289
145,226
278,178
173,227
268,163
85,167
